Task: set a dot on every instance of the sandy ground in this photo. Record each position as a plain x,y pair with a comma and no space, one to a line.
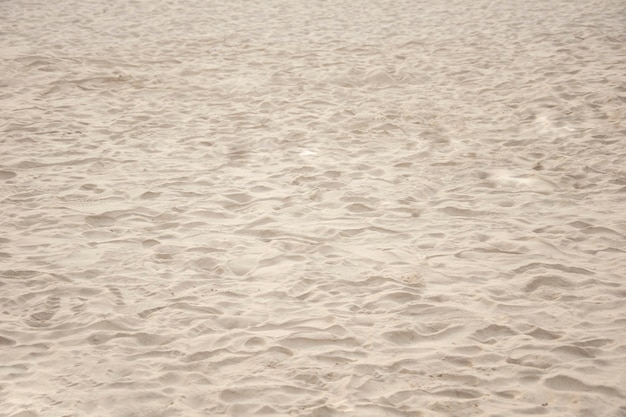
313,208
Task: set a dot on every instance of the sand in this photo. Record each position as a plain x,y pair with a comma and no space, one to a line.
313,208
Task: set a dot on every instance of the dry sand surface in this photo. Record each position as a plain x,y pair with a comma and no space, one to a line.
313,208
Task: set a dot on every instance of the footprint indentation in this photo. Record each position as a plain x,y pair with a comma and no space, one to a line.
118,296
7,175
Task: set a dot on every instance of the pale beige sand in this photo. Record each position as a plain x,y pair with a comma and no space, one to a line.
313,208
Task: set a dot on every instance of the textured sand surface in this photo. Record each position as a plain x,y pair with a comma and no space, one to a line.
313,208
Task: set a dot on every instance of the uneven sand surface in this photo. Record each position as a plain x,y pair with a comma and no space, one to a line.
313,208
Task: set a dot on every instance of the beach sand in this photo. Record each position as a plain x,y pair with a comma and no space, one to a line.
313,208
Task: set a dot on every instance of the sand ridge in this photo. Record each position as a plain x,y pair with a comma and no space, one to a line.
312,208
